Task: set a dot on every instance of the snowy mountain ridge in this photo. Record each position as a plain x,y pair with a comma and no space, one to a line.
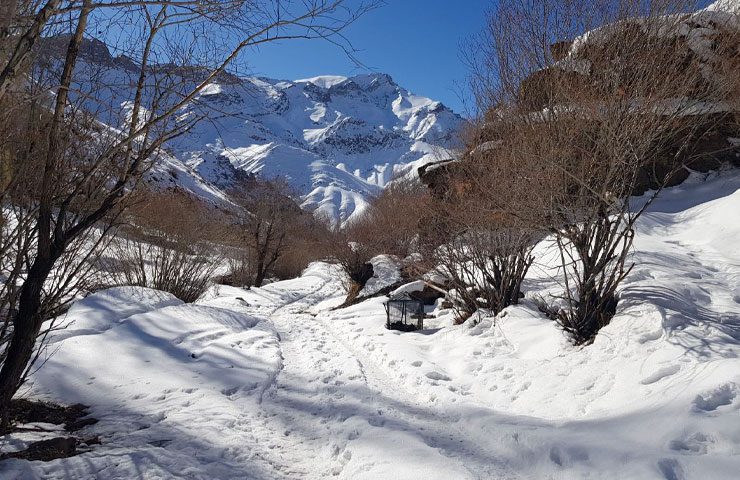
336,140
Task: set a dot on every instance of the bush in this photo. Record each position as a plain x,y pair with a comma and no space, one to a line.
184,272
167,252
269,234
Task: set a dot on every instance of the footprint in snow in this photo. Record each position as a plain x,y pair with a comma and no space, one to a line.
671,469
229,391
696,444
721,396
437,376
567,456
660,374
159,443
376,421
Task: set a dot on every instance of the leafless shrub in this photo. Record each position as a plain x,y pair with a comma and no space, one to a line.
486,266
182,270
394,223
164,251
347,248
240,269
486,252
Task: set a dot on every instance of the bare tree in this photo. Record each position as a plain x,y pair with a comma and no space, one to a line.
178,254
264,226
84,170
306,243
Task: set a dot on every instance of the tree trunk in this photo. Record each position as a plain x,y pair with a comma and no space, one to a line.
26,326
22,52
260,276
28,320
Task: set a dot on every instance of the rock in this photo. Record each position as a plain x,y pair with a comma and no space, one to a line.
428,296
92,441
559,50
80,424
46,450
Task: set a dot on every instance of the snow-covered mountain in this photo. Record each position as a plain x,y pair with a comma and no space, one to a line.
337,140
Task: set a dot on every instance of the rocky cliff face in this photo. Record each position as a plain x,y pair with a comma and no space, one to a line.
701,50
623,61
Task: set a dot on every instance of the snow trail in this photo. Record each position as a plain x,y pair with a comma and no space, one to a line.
330,413
349,417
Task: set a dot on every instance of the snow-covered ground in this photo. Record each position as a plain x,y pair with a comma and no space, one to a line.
271,383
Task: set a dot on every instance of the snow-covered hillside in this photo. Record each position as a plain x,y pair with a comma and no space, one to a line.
271,383
337,140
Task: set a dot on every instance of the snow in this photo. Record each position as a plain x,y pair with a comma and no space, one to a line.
166,384
273,383
324,81
102,310
386,272
700,29
729,6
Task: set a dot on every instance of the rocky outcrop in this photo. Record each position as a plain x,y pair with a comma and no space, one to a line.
626,61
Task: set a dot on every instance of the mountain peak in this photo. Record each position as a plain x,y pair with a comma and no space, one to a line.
337,140
324,81
371,79
363,81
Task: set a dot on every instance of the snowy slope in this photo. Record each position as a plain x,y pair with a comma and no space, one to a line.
147,374
271,383
657,396
337,140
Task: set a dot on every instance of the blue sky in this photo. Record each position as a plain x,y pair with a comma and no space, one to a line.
417,42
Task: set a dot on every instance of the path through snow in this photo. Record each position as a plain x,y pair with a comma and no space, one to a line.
343,416
245,384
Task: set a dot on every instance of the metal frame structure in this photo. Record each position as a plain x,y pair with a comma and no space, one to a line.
401,311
